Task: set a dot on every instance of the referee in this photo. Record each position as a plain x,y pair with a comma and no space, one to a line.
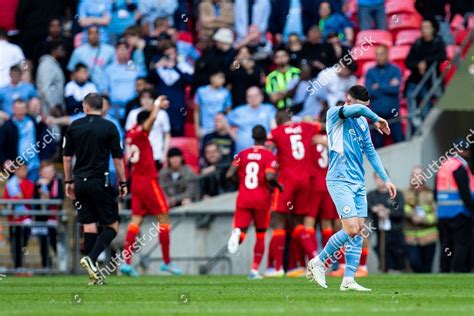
92,139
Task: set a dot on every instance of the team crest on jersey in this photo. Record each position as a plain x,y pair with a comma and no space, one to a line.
362,126
346,209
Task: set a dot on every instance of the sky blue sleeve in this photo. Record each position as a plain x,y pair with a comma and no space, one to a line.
356,110
373,157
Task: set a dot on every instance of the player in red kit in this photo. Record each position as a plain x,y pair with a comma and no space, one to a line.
255,167
147,196
293,142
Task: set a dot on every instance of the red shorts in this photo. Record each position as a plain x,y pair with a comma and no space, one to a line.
244,216
322,206
148,198
295,198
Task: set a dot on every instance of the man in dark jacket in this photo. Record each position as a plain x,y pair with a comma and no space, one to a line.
383,83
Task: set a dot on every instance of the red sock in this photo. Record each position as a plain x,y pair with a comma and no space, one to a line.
312,234
130,240
296,256
326,234
363,256
258,250
164,237
304,238
277,246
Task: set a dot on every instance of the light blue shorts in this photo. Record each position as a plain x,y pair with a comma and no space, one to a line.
350,199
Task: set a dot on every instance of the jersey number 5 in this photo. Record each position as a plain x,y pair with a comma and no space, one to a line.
251,175
297,147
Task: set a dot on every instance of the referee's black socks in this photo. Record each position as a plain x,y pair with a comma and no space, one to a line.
89,242
103,241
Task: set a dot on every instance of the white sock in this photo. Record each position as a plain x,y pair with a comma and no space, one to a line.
346,280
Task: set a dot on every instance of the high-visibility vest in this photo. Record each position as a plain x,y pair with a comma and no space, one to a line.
450,203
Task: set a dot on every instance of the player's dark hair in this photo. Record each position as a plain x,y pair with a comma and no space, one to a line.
259,134
359,92
142,117
79,66
150,92
94,100
282,116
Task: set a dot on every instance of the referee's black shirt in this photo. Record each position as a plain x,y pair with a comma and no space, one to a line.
92,139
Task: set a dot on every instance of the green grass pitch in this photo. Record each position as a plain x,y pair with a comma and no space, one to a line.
235,295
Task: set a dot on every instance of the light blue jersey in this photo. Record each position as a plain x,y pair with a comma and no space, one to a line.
349,138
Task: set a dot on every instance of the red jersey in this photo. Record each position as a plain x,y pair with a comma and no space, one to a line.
294,144
320,162
140,153
26,191
253,163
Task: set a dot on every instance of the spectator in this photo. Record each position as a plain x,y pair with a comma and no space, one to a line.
43,134
123,15
304,102
214,14
151,10
388,218
77,89
277,81
214,181
249,13
210,100
160,132
50,78
171,77
19,187
340,50
336,81
136,46
141,84
56,35
11,55
295,49
454,185
18,138
221,136
96,13
156,41
178,180
17,89
383,83
244,73
246,117
426,51
371,12
49,186
96,56
436,9
318,53
292,16
121,76
258,44
420,230
335,22
218,57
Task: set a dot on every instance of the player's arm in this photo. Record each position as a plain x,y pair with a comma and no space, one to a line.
68,153
232,171
271,178
356,110
376,163
147,125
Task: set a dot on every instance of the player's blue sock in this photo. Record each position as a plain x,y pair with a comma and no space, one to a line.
334,243
353,252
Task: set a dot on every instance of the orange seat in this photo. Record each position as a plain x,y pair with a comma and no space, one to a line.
407,37
398,54
403,21
393,7
381,37
363,54
190,148
451,51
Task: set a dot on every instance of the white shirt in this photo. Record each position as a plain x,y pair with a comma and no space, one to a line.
335,87
10,55
77,91
157,133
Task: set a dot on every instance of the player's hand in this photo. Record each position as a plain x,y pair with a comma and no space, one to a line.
382,126
392,190
70,193
123,191
159,102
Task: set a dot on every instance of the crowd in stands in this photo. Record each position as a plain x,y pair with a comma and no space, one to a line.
224,65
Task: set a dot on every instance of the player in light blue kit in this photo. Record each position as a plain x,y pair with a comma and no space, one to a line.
348,139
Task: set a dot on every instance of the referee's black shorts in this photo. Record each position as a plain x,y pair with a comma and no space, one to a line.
95,202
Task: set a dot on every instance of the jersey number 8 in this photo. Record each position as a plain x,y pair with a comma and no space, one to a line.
251,175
